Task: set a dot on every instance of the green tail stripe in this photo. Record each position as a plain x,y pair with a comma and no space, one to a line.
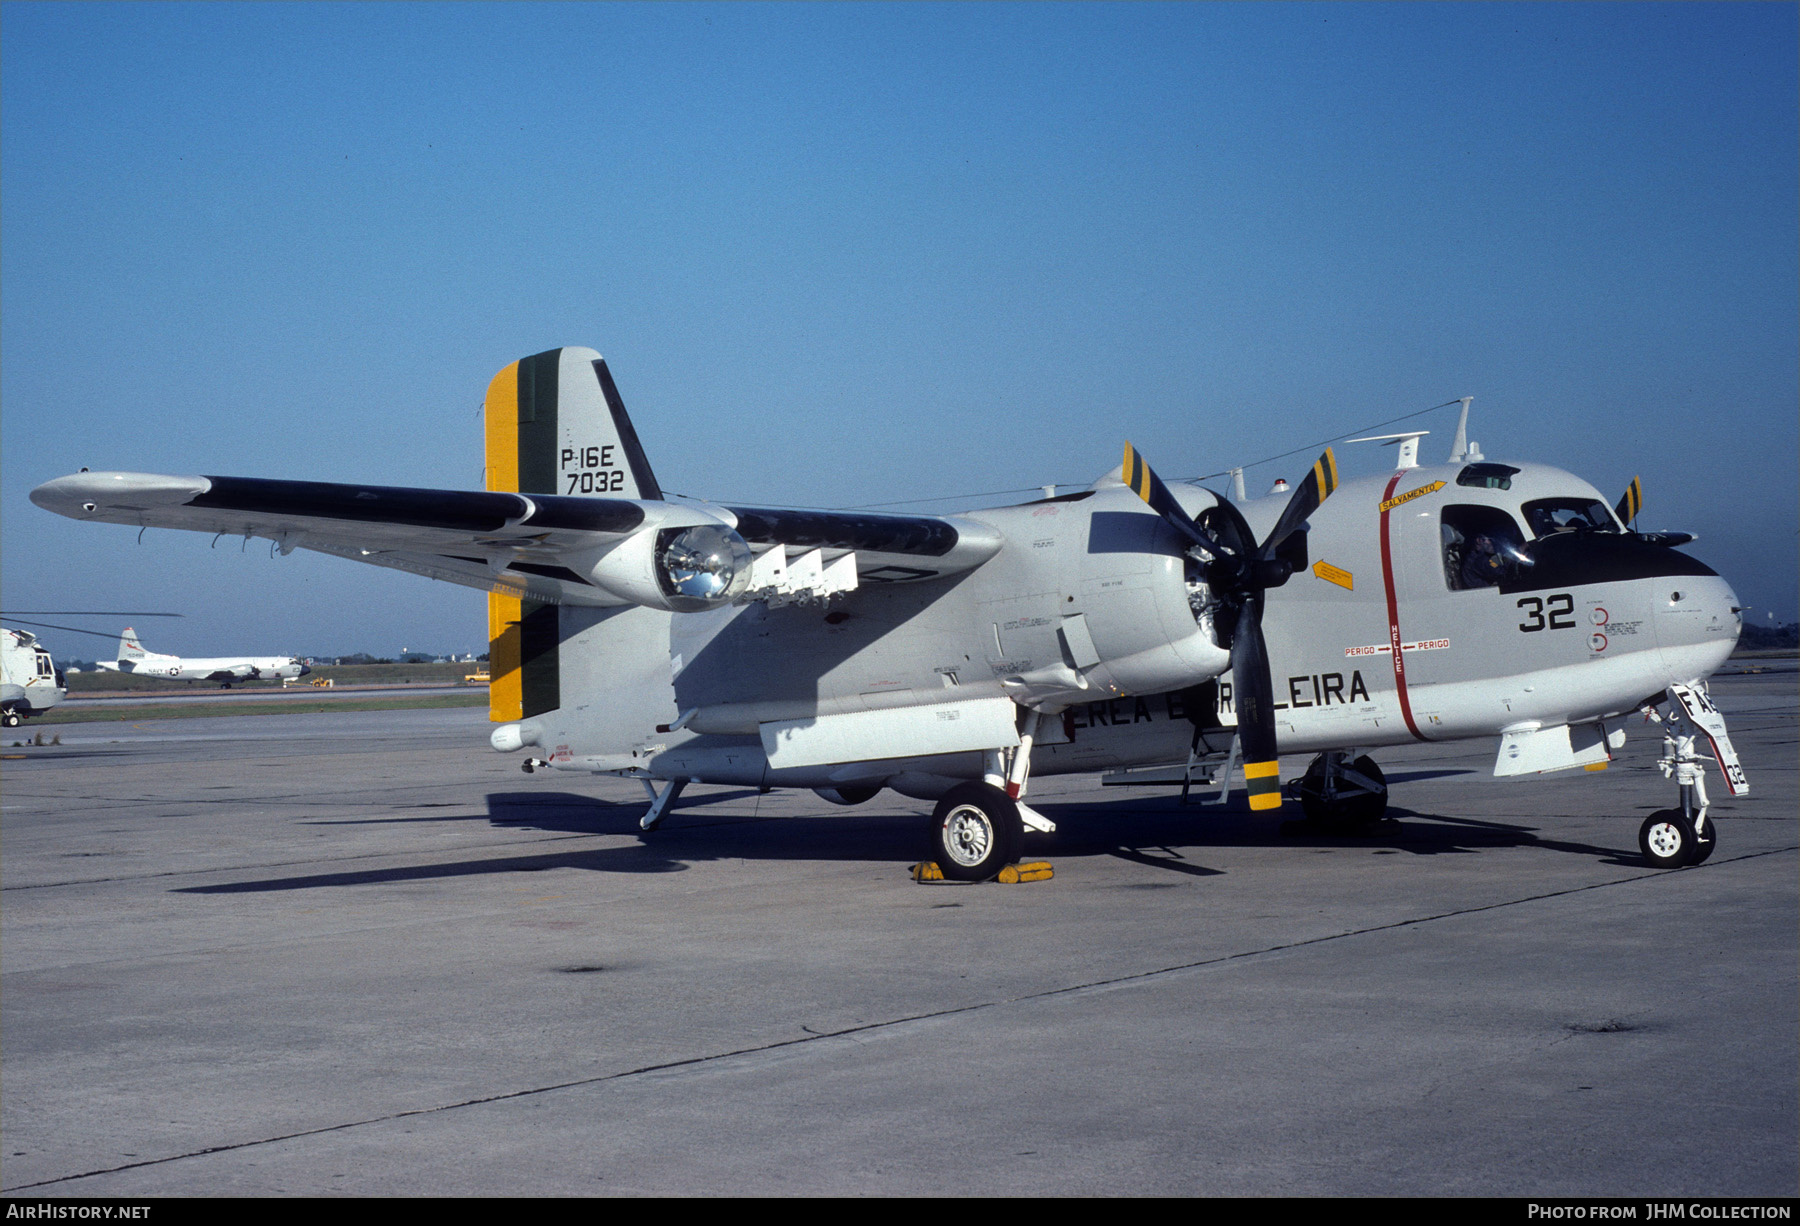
540,636
537,422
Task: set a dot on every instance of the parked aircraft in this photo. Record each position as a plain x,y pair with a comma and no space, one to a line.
950,657
30,682
134,659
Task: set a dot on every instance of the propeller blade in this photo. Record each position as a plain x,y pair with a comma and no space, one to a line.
1631,503
1241,583
1148,486
1315,489
1253,696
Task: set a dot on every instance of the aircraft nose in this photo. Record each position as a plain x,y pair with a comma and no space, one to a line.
304,669
1697,624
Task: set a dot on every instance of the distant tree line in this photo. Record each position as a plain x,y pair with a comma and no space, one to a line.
1765,638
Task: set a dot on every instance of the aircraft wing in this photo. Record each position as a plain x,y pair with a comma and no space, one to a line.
538,546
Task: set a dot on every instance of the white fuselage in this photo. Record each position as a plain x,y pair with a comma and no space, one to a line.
221,668
1376,639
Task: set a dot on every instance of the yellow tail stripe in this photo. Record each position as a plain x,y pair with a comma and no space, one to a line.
1261,770
502,431
506,685
1268,800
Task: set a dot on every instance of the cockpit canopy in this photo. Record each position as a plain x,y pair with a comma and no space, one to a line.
1567,538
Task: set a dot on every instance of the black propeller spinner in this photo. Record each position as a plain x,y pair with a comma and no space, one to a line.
1239,571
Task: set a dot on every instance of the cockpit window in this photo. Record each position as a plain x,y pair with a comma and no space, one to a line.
1482,547
1550,515
1487,476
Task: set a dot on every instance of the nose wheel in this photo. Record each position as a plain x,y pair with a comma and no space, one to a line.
1668,839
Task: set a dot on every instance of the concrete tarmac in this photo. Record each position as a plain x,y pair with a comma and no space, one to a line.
360,953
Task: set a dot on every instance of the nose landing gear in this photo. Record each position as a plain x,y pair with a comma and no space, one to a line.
1676,838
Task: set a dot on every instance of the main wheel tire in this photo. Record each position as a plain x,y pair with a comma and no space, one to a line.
1350,811
1667,839
11,719
975,832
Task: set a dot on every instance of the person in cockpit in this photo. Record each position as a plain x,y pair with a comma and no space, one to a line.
1483,566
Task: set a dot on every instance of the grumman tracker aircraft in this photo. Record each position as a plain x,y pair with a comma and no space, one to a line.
134,659
949,657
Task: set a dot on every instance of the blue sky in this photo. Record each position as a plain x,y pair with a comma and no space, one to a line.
852,254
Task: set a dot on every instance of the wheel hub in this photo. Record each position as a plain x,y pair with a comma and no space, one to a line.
968,835
1664,839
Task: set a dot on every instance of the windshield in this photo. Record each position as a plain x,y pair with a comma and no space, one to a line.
1551,515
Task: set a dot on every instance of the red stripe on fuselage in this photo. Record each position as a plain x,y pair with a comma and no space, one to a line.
1393,612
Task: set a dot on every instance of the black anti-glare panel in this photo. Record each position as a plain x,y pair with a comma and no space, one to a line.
1571,559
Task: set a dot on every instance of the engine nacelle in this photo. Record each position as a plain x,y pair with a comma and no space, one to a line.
682,569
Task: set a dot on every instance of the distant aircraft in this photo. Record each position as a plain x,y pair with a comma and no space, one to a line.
948,657
134,659
30,682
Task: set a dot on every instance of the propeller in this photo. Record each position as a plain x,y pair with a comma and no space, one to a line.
1631,503
1239,571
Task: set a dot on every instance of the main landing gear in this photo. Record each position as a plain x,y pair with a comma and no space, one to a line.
12,719
975,832
976,828
1341,795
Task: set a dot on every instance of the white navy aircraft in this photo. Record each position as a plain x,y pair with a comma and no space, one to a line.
1133,623
134,659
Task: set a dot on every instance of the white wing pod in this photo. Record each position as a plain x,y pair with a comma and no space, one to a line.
116,496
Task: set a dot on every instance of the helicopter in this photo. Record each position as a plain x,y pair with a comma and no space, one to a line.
30,682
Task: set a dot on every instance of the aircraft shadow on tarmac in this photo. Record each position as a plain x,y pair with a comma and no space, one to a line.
1157,832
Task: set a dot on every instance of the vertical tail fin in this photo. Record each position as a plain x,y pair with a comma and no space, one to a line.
129,647
554,425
